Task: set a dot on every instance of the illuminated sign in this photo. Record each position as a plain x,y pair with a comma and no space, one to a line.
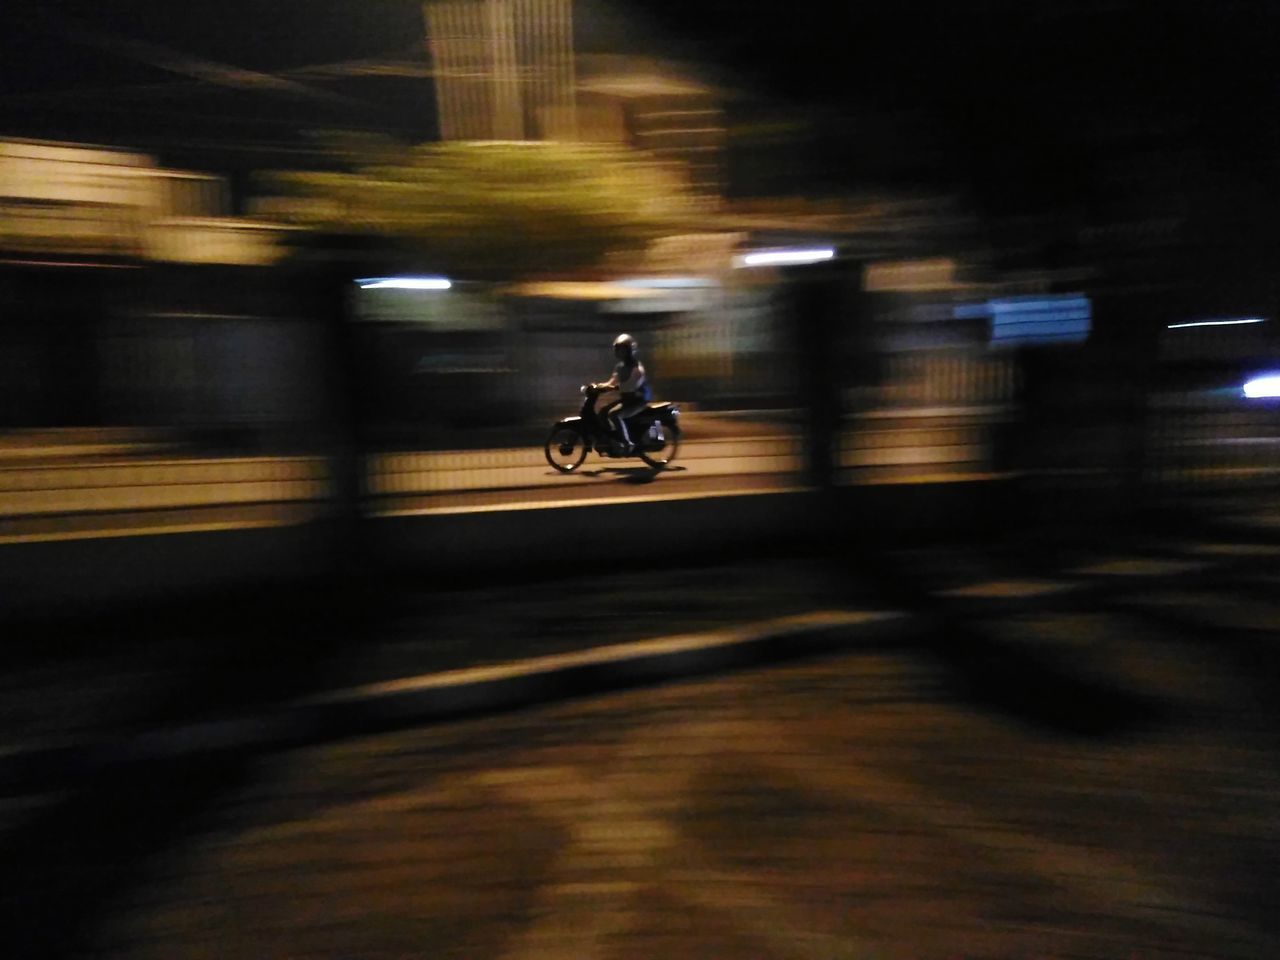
1039,319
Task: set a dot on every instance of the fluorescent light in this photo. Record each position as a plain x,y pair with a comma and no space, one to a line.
1268,386
1216,323
773,257
404,283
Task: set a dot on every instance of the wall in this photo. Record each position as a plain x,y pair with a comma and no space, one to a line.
81,576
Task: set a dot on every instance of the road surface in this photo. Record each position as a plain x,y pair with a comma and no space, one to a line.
1039,777
841,809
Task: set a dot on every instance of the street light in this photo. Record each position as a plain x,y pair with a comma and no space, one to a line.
773,258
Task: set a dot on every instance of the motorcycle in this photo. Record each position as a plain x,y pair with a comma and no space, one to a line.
655,432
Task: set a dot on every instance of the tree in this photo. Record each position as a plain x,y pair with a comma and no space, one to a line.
497,209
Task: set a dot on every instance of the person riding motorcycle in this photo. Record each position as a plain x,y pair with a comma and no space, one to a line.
632,385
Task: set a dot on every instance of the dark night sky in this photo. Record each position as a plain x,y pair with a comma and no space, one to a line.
1052,94
1011,98
147,74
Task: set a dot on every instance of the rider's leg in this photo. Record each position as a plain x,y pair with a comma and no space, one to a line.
620,425
609,415
620,416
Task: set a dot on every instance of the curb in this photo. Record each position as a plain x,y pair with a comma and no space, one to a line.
456,694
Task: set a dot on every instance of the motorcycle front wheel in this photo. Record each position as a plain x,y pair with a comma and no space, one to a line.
565,449
670,447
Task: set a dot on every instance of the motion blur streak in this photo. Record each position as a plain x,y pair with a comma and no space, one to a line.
926,610
405,283
1216,323
785,257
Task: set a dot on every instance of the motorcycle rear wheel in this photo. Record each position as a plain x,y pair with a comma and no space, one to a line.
659,459
565,449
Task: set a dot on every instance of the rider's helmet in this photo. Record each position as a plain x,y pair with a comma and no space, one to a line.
625,347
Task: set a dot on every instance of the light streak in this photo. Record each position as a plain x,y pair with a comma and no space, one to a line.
765,258
404,283
1215,323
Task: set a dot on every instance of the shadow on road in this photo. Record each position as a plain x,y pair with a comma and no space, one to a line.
635,475
68,866
1044,690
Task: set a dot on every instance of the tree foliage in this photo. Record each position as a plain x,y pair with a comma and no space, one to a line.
495,209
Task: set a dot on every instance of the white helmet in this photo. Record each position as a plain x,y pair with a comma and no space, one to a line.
625,346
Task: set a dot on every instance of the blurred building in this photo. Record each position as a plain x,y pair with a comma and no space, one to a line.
88,202
129,296
509,70
660,108
503,68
